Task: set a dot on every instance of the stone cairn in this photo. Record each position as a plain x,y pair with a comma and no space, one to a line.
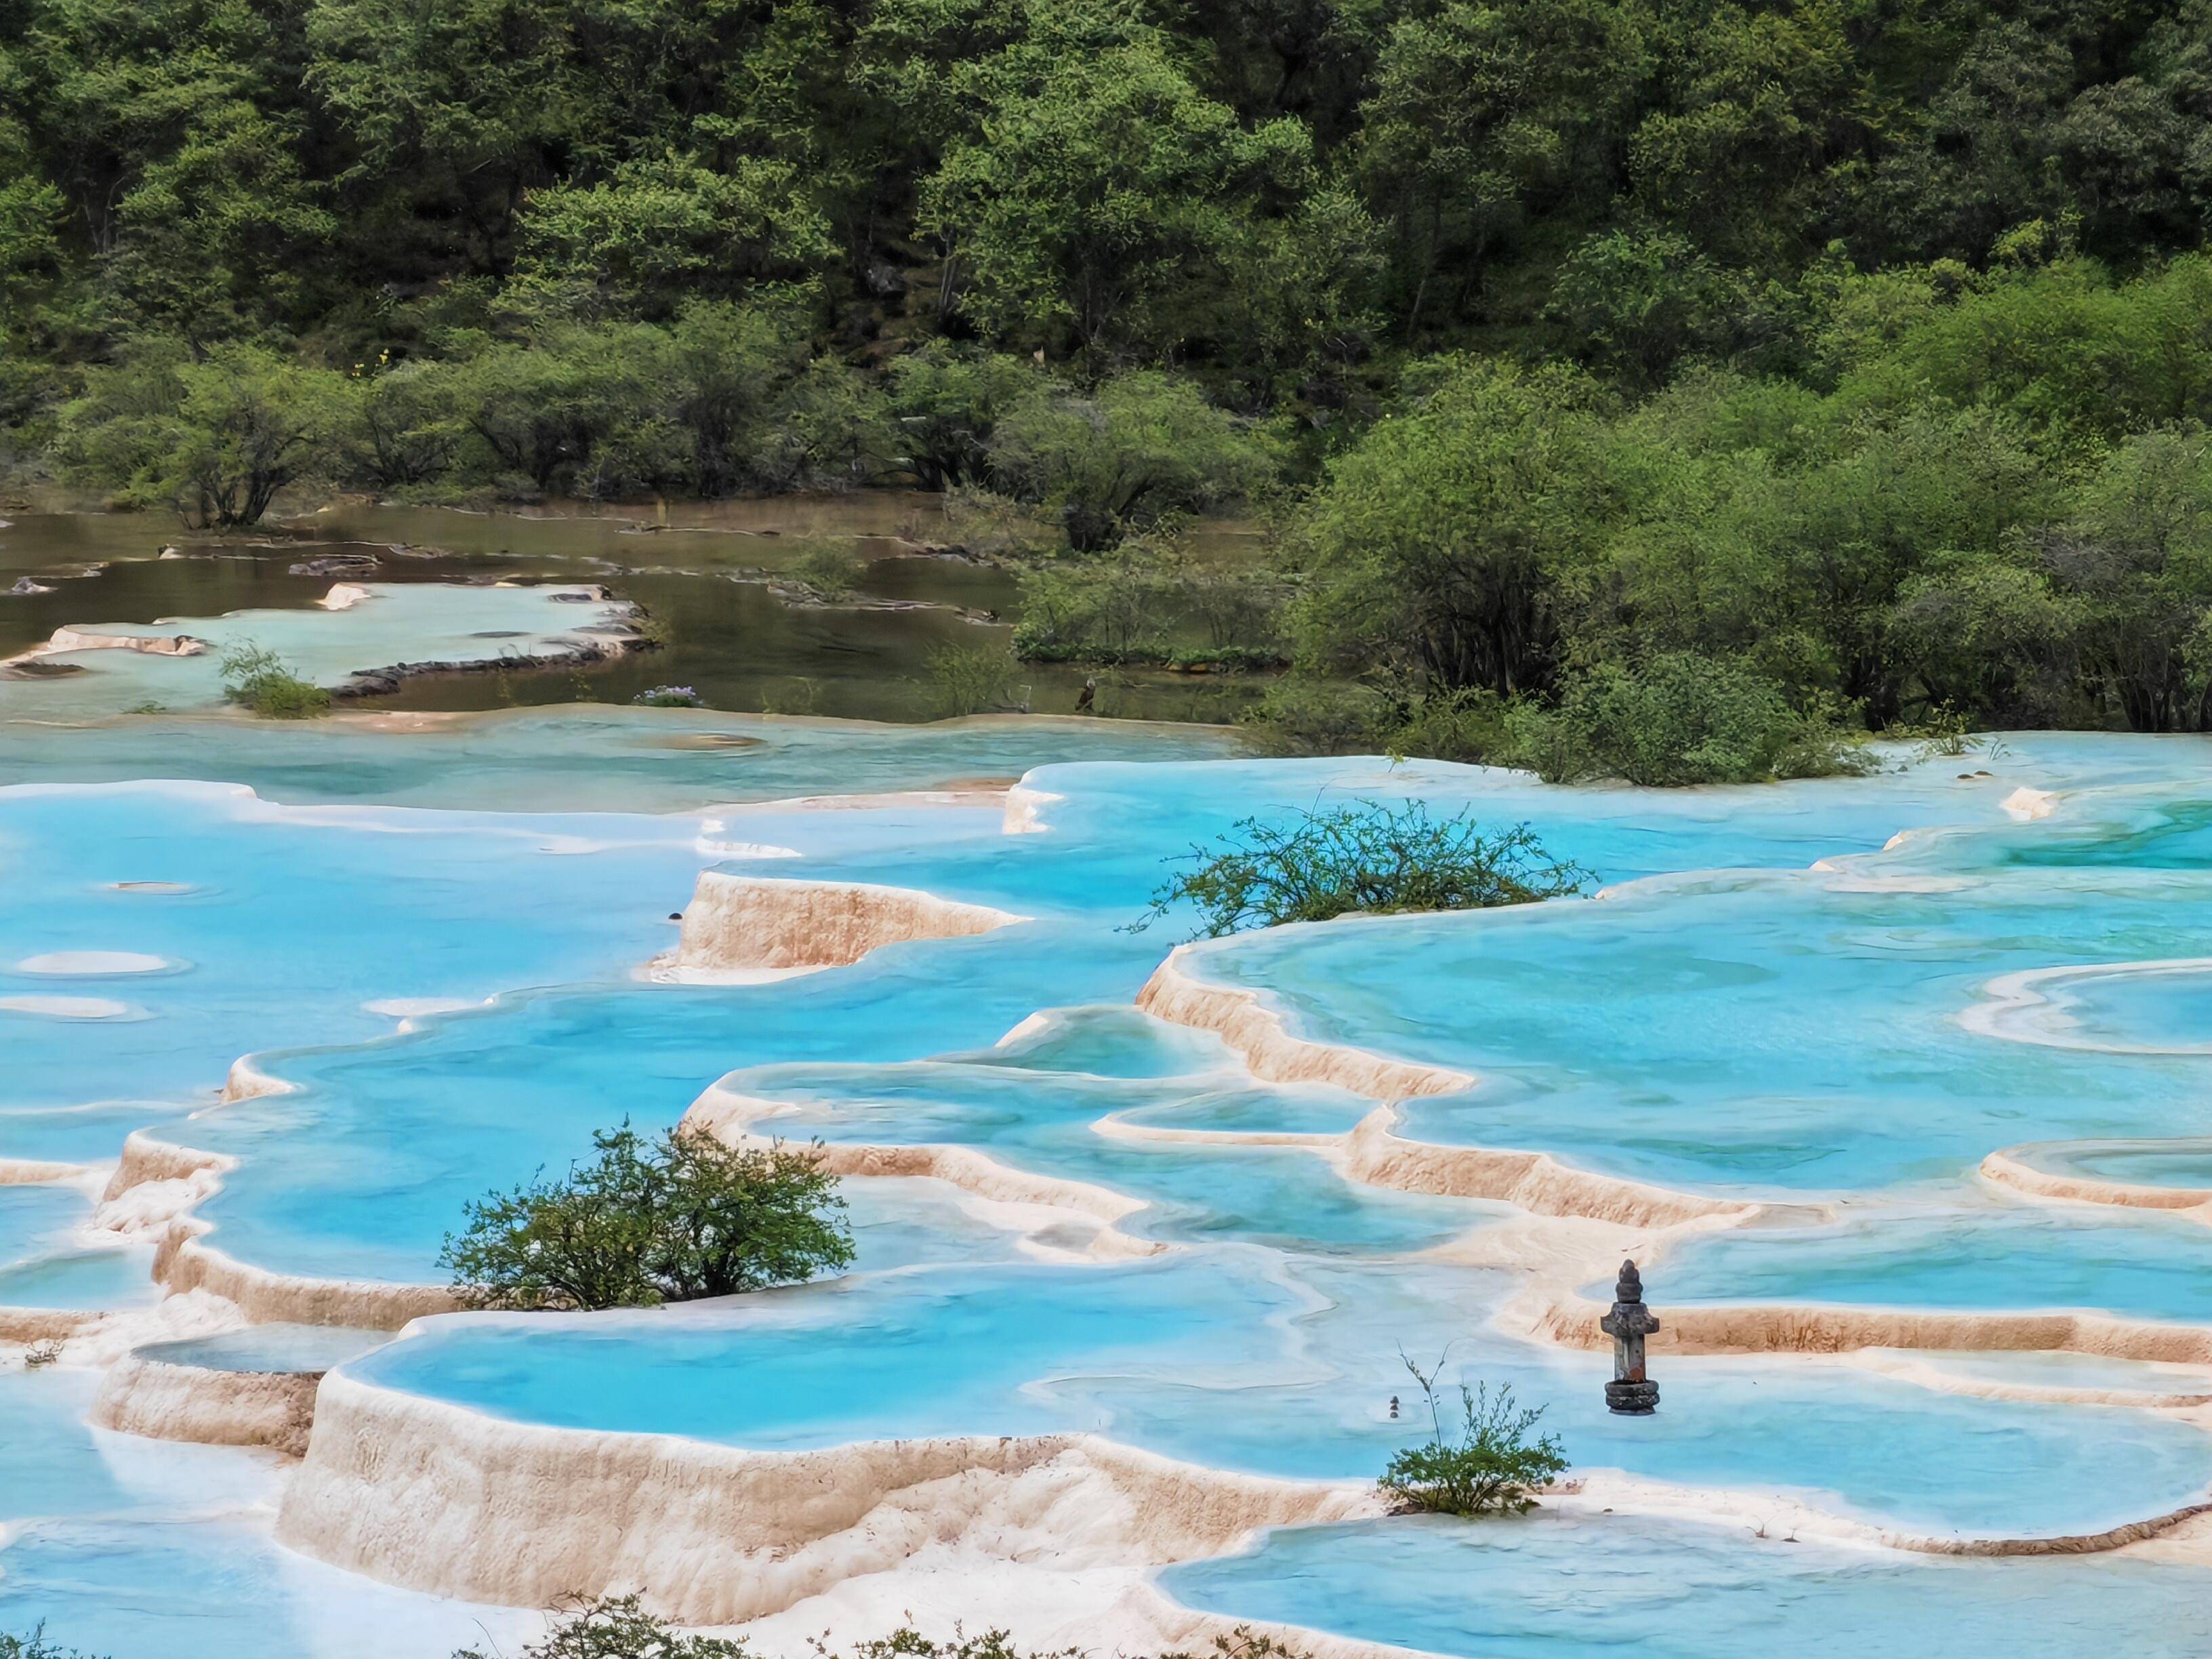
1631,1393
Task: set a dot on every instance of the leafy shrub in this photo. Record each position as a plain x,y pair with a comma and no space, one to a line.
35,1646
1444,546
947,398
1676,719
1242,1643
1364,858
214,434
261,680
1141,447
618,1627
649,1222
1468,724
1144,603
996,529
968,679
829,572
410,430
1111,611
833,430
1221,658
1492,1467
1638,300
573,409
1301,714
668,696
663,229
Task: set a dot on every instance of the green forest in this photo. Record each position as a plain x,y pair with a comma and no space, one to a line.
1668,389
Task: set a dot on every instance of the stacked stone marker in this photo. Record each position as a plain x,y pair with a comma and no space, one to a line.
1631,1393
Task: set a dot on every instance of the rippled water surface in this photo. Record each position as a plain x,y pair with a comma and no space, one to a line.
430,939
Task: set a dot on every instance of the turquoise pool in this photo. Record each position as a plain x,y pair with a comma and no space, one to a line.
433,939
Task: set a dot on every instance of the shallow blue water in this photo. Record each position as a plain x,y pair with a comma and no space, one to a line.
1551,1589
2169,1009
45,1264
289,921
582,759
275,1347
52,1464
1043,1121
2137,1263
219,1588
2179,1162
1771,1029
80,1134
1232,1358
1747,1033
396,622
371,1165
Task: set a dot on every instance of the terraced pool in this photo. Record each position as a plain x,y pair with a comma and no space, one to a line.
1143,1245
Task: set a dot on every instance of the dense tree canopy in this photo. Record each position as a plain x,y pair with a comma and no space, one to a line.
1628,179
1864,346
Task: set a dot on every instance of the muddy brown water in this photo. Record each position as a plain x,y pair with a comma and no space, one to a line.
733,632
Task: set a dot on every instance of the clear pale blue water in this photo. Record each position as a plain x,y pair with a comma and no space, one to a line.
2179,1162
273,1347
1551,1590
584,759
1758,1032
2056,1369
2136,1262
1045,1120
52,1466
1235,1359
2169,1010
221,1588
31,1216
291,919
432,936
368,1169
79,1135
44,1263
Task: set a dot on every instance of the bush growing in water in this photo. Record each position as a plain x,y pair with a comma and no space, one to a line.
1142,447
1676,719
1361,859
35,1646
215,433
829,572
1242,1643
1305,715
650,1222
1493,1466
618,1627
260,679
968,679
1150,601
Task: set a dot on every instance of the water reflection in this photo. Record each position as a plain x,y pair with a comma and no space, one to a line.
714,574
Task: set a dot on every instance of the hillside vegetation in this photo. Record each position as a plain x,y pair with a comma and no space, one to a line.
1637,387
